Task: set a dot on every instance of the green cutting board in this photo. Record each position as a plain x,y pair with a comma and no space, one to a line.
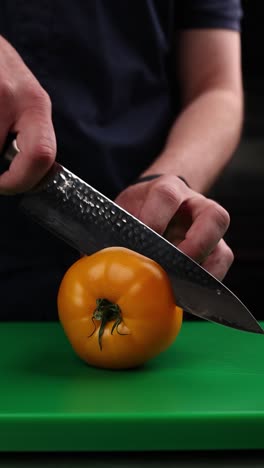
205,392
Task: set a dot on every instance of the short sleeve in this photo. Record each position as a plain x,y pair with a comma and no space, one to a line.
226,14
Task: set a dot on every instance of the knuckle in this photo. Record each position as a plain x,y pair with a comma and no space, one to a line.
229,255
45,153
38,96
44,98
221,216
166,191
7,91
224,254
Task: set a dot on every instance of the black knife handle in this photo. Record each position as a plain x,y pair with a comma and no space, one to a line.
9,151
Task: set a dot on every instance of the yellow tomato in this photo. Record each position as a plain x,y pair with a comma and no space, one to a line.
117,308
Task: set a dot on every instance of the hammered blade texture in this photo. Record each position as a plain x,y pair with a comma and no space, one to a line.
69,206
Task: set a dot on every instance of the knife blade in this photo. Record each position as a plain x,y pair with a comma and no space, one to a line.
87,220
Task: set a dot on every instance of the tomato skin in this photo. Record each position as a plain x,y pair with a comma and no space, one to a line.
142,290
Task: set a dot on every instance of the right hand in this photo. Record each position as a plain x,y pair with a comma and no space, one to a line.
186,218
25,109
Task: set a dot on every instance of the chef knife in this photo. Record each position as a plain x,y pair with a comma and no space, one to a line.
88,221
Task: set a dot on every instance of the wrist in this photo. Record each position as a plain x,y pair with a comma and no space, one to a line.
150,177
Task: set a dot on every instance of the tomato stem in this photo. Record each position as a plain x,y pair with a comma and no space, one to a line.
106,311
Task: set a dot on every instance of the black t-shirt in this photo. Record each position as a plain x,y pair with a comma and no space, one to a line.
107,66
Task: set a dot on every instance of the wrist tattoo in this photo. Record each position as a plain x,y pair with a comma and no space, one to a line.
149,177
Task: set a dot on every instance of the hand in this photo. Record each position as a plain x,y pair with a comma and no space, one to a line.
25,109
189,220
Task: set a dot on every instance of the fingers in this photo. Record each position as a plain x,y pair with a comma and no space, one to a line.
37,144
163,199
25,109
6,108
219,261
210,222
188,219
204,239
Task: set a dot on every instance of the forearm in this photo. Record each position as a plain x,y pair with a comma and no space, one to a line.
202,139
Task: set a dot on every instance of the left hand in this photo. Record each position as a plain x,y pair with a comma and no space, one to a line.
189,220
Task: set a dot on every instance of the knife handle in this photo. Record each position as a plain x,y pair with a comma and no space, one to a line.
9,151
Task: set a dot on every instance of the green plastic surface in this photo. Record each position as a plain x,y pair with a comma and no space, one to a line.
205,392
